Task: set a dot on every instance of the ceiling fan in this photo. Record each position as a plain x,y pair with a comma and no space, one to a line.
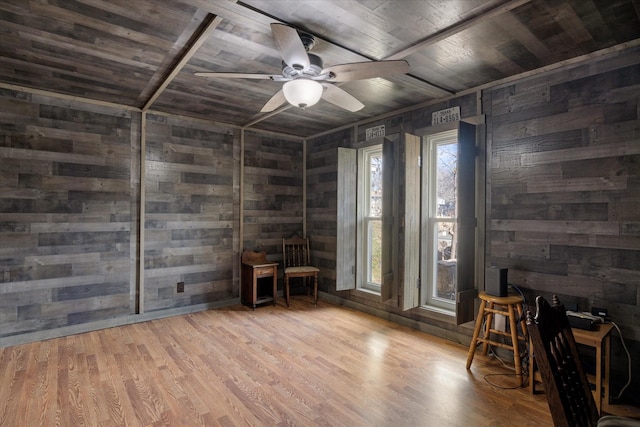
306,80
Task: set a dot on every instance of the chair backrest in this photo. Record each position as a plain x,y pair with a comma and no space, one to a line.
295,252
565,383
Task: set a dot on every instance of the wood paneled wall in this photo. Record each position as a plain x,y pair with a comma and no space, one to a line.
191,212
68,212
273,192
70,197
565,185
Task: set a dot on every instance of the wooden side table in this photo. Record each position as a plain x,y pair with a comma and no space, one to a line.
600,340
255,267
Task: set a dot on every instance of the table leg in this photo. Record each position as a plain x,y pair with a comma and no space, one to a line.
607,369
275,284
598,391
532,369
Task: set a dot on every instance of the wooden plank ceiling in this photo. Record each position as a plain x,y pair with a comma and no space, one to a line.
143,53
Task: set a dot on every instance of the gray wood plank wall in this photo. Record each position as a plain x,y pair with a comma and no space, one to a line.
565,185
273,193
67,212
191,217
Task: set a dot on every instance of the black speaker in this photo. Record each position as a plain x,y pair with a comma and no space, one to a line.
495,281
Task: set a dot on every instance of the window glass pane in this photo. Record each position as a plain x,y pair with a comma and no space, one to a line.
375,185
375,252
445,274
369,264
447,167
440,193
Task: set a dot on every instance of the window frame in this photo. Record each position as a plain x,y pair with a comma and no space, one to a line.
403,216
365,219
429,261
470,177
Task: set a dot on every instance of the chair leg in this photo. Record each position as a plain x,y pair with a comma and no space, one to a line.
315,288
286,289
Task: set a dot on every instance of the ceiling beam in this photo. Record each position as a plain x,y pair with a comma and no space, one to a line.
422,44
262,117
209,24
233,11
458,28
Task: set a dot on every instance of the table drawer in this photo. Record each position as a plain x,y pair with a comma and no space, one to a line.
263,271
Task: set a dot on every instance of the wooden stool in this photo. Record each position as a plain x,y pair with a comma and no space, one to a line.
510,307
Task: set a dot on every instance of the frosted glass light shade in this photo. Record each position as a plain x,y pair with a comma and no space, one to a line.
302,92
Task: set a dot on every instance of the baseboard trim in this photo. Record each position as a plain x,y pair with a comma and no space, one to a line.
457,337
111,323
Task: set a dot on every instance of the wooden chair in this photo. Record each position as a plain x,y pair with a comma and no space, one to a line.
297,263
565,383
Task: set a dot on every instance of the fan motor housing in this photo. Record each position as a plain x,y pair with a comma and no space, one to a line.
315,68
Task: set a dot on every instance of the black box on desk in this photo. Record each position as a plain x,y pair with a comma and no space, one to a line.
496,282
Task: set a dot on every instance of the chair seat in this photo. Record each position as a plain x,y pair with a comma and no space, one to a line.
301,269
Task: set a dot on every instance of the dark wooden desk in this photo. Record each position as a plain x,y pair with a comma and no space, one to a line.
600,340
255,267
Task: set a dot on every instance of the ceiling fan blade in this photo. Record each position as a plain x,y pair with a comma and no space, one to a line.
366,70
275,77
290,46
339,97
276,100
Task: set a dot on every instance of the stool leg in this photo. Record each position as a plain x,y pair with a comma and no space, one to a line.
514,341
487,329
476,332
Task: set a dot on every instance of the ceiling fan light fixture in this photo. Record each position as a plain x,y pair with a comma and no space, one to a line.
302,92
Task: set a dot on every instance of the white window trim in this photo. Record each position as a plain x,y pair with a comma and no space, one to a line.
429,253
364,156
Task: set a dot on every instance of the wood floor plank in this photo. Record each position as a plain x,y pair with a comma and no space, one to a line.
304,365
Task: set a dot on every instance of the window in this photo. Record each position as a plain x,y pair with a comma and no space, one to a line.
412,226
440,234
448,225
369,247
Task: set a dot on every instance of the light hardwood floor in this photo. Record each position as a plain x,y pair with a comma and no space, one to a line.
302,366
